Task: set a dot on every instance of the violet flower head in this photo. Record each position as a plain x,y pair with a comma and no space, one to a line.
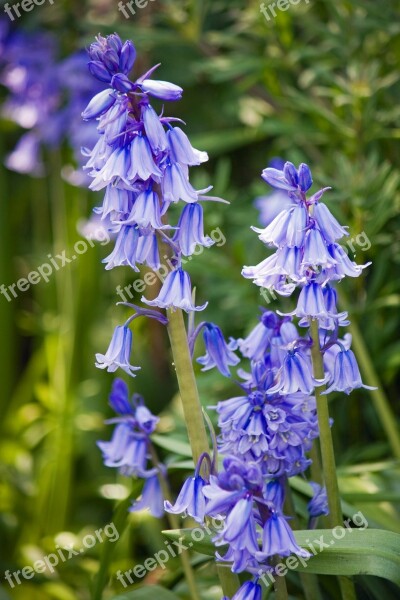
176,292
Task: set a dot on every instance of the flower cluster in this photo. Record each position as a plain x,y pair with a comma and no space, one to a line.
308,256
267,431
142,163
129,448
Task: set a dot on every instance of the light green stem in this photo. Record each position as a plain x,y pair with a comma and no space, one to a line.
309,581
327,451
381,403
193,413
174,524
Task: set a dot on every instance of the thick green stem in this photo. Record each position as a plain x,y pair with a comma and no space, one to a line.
327,451
193,413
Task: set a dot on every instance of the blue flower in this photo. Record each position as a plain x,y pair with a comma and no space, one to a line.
142,165
190,232
154,129
146,211
248,591
176,292
318,504
295,375
346,376
164,90
118,352
126,450
278,539
125,249
190,499
218,353
152,498
328,225
289,179
182,150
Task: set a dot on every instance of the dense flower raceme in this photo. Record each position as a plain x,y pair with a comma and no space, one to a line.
45,97
141,160
129,448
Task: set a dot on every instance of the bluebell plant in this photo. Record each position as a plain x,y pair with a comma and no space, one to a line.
141,161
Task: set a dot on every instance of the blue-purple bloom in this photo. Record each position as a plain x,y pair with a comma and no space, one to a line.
118,352
250,590
129,448
176,292
218,353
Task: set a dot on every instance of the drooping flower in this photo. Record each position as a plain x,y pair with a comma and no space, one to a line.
118,352
176,292
151,498
278,539
218,353
346,376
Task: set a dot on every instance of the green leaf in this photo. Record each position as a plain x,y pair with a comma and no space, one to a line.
359,552
148,593
171,444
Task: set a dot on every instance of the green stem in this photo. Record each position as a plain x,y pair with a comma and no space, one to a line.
327,451
174,524
280,588
193,413
381,403
309,581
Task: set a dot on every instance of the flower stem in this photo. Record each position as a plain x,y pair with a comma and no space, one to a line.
174,524
193,413
327,451
279,583
309,581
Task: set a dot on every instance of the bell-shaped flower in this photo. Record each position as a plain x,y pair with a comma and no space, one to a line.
118,353
125,249
346,376
278,539
154,130
190,499
176,292
249,591
145,211
218,353
142,162
182,151
151,498
190,231
328,225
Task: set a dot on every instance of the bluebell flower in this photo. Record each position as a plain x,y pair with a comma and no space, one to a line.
151,498
190,231
318,504
182,151
287,229
176,292
295,375
290,178
125,249
146,211
118,352
218,353
190,499
142,165
176,185
126,450
116,202
278,539
147,250
154,129
316,251
250,590
346,376
328,225
163,90
99,104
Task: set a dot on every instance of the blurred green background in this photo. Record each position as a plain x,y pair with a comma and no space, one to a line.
317,84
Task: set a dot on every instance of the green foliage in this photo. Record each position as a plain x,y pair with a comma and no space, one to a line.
319,84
